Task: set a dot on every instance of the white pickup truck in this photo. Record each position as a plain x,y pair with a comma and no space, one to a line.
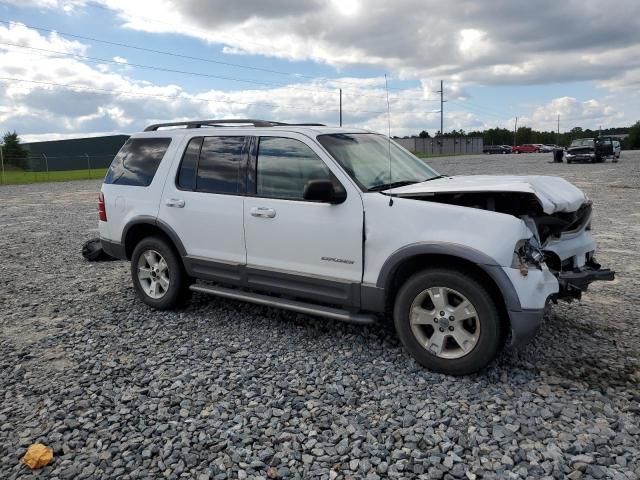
346,224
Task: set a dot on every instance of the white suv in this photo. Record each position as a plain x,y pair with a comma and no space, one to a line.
346,224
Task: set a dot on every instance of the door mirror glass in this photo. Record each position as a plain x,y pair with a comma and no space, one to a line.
323,191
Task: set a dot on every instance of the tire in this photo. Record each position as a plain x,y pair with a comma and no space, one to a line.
172,281
481,332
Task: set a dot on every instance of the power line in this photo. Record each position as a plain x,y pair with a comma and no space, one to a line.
175,54
182,72
485,107
174,97
477,110
323,90
152,50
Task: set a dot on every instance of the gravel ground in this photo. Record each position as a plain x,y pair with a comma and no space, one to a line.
223,389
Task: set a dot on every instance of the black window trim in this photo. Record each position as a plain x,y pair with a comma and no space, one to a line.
252,169
177,177
242,168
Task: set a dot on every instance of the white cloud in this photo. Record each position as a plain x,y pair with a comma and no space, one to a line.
572,112
18,34
463,42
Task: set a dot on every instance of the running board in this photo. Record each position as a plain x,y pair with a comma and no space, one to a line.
296,306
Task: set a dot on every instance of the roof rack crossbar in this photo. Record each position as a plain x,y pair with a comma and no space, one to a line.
230,121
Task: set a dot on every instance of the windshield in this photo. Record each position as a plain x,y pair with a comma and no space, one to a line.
365,157
582,142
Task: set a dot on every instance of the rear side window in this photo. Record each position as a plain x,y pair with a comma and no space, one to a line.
137,161
219,165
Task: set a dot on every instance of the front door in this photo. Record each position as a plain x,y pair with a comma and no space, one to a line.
304,248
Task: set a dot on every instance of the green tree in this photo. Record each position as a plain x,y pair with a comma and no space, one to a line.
633,140
424,134
524,135
14,153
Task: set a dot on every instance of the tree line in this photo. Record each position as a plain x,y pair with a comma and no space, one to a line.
504,136
12,152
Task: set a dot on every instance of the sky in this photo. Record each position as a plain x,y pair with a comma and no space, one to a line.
77,68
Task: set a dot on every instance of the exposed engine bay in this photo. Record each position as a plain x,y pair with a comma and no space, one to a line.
521,205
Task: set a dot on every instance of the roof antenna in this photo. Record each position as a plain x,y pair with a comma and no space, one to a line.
386,87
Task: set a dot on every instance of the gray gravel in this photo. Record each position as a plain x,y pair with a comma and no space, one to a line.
223,389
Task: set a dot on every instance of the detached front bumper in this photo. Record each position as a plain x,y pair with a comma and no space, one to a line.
574,282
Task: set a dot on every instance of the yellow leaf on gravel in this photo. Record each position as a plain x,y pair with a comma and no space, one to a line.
37,456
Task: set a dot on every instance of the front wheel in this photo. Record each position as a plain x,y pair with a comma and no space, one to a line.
448,321
158,274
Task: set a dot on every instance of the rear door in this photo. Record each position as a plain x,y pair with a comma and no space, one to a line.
300,247
203,203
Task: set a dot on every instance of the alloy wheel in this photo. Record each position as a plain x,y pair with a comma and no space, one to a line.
444,322
153,274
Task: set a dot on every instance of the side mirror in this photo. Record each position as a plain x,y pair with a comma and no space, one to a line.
323,191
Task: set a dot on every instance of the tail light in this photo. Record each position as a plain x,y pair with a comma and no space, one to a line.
102,211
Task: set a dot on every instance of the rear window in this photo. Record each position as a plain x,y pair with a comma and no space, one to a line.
137,161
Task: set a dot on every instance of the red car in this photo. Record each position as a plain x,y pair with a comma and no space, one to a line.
527,148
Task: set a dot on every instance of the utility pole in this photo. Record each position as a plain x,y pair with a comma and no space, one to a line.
442,102
88,164
340,107
2,164
46,163
515,132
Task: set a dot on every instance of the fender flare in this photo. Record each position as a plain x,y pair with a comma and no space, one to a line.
165,228
483,261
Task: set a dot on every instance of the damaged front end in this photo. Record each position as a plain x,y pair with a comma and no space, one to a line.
562,241
569,250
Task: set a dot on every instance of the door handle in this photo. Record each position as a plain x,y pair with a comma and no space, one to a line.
174,202
263,212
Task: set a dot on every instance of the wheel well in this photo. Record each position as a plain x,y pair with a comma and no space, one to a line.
142,230
414,264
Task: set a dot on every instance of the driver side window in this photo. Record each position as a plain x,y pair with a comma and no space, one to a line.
284,166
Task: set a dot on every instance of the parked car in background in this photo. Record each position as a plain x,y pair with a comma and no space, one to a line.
526,148
548,148
508,148
490,149
594,150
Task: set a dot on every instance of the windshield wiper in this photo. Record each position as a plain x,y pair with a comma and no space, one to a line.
435,178
386,186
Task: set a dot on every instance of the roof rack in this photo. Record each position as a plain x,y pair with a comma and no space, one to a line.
222,123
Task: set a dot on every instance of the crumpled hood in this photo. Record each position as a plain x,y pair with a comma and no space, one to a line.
555,194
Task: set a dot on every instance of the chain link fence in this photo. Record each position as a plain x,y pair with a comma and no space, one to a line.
43,167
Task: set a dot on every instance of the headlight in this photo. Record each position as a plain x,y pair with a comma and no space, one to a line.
527,253
592,154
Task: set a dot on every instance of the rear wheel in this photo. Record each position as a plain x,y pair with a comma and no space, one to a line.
158,274
447,321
